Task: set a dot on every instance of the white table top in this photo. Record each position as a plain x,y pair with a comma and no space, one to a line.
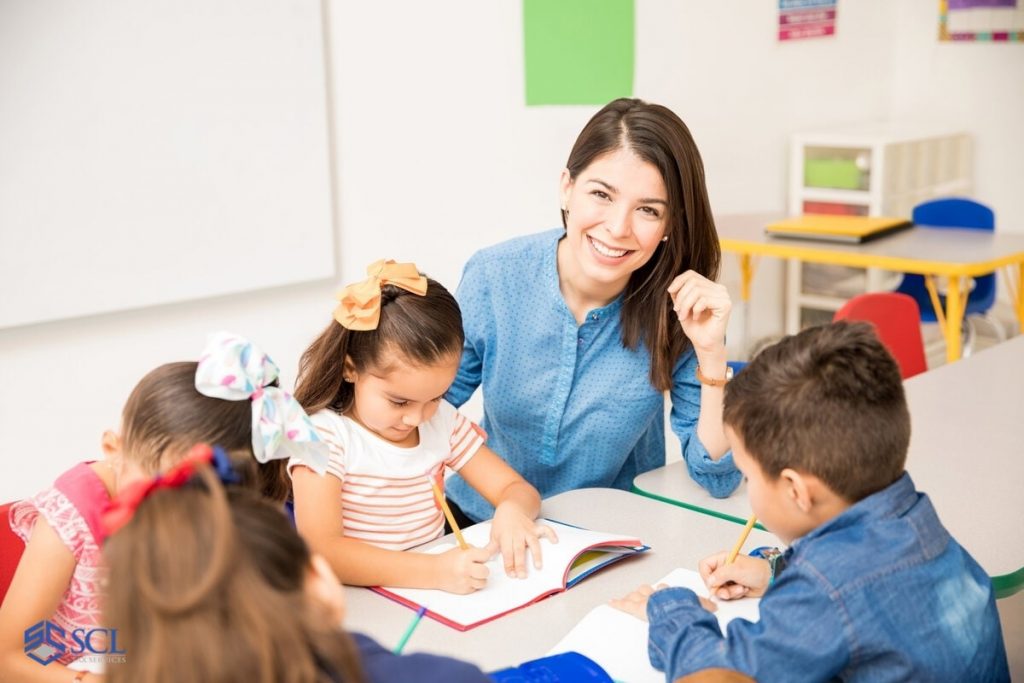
678,538
966,453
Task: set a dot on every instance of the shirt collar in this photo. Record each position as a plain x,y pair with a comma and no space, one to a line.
892,501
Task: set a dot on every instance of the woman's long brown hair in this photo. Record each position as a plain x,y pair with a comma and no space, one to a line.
207,585
659,137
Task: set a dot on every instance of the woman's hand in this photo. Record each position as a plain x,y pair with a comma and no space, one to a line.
745,577
514,532
703,308
464,571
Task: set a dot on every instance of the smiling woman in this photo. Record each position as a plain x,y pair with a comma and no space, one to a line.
575,334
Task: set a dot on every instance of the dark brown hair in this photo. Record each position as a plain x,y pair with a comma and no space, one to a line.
829,402
207,585
420,329
165,416
659,137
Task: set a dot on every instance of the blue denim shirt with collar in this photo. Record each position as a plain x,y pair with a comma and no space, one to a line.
881,592
565,404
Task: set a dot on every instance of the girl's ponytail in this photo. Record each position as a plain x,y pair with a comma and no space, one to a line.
194,594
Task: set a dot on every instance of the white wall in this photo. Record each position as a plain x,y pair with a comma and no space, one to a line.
978,87
436,156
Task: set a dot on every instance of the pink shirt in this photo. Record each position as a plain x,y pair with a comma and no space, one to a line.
72,507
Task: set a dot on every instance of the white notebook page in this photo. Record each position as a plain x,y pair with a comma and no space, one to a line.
618,641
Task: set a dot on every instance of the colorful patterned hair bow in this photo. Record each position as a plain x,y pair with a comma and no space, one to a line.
235,369
359,309
122,508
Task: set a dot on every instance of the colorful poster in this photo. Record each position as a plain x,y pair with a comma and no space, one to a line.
978,20
969,4
800,19
578,51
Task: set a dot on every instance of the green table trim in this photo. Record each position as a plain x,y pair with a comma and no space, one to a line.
1008,584
695,508
1003,586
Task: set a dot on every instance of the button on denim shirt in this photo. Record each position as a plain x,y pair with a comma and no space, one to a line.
565,404
880,593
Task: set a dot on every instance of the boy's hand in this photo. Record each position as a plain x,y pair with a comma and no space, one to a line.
636,602
746,577
464,571
513,532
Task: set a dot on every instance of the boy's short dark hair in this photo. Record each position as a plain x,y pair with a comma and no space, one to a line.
829,402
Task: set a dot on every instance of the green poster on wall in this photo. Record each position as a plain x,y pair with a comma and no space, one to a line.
578,51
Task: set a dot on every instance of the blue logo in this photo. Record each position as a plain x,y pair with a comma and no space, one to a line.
44,643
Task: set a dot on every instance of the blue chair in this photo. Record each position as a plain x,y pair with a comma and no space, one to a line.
954,212
736,366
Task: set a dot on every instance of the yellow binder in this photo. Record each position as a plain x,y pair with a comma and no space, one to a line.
851,229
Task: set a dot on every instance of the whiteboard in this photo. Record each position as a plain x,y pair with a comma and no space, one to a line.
154,151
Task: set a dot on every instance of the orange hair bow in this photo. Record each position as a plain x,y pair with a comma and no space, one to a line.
359,309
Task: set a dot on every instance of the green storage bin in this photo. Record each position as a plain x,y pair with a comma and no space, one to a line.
841,174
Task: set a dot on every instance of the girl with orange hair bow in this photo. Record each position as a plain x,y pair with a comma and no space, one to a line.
373,383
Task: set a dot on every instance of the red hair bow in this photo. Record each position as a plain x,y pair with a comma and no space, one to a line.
123,507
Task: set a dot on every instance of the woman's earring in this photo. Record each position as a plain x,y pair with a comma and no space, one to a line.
665,238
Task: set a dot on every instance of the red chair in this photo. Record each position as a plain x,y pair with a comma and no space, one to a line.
897,319
11,548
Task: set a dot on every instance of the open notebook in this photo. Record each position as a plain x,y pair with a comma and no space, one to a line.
851,229
578,554
618,641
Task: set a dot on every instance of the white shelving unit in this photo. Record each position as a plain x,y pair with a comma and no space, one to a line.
876,170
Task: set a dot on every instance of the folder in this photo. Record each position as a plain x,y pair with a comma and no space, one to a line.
848,229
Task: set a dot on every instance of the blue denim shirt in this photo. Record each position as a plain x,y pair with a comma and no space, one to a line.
566,405
880,593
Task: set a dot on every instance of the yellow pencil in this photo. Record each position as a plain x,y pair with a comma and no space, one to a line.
448,514
743,539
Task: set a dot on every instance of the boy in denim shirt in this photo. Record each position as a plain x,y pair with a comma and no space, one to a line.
872,586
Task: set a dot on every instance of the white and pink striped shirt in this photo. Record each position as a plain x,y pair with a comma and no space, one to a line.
386,495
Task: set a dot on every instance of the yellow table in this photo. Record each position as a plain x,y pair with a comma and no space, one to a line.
949,253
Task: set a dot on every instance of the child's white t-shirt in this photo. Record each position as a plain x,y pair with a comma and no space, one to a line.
386,495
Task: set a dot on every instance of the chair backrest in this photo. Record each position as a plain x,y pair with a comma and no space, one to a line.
11,548
959,212
897,320
954,212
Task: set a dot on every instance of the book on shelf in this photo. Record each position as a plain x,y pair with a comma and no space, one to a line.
577,554
834,228
618,641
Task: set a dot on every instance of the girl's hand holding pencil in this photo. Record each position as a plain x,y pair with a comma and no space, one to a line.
464,571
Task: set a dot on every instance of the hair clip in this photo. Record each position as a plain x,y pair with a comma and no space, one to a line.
234,369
